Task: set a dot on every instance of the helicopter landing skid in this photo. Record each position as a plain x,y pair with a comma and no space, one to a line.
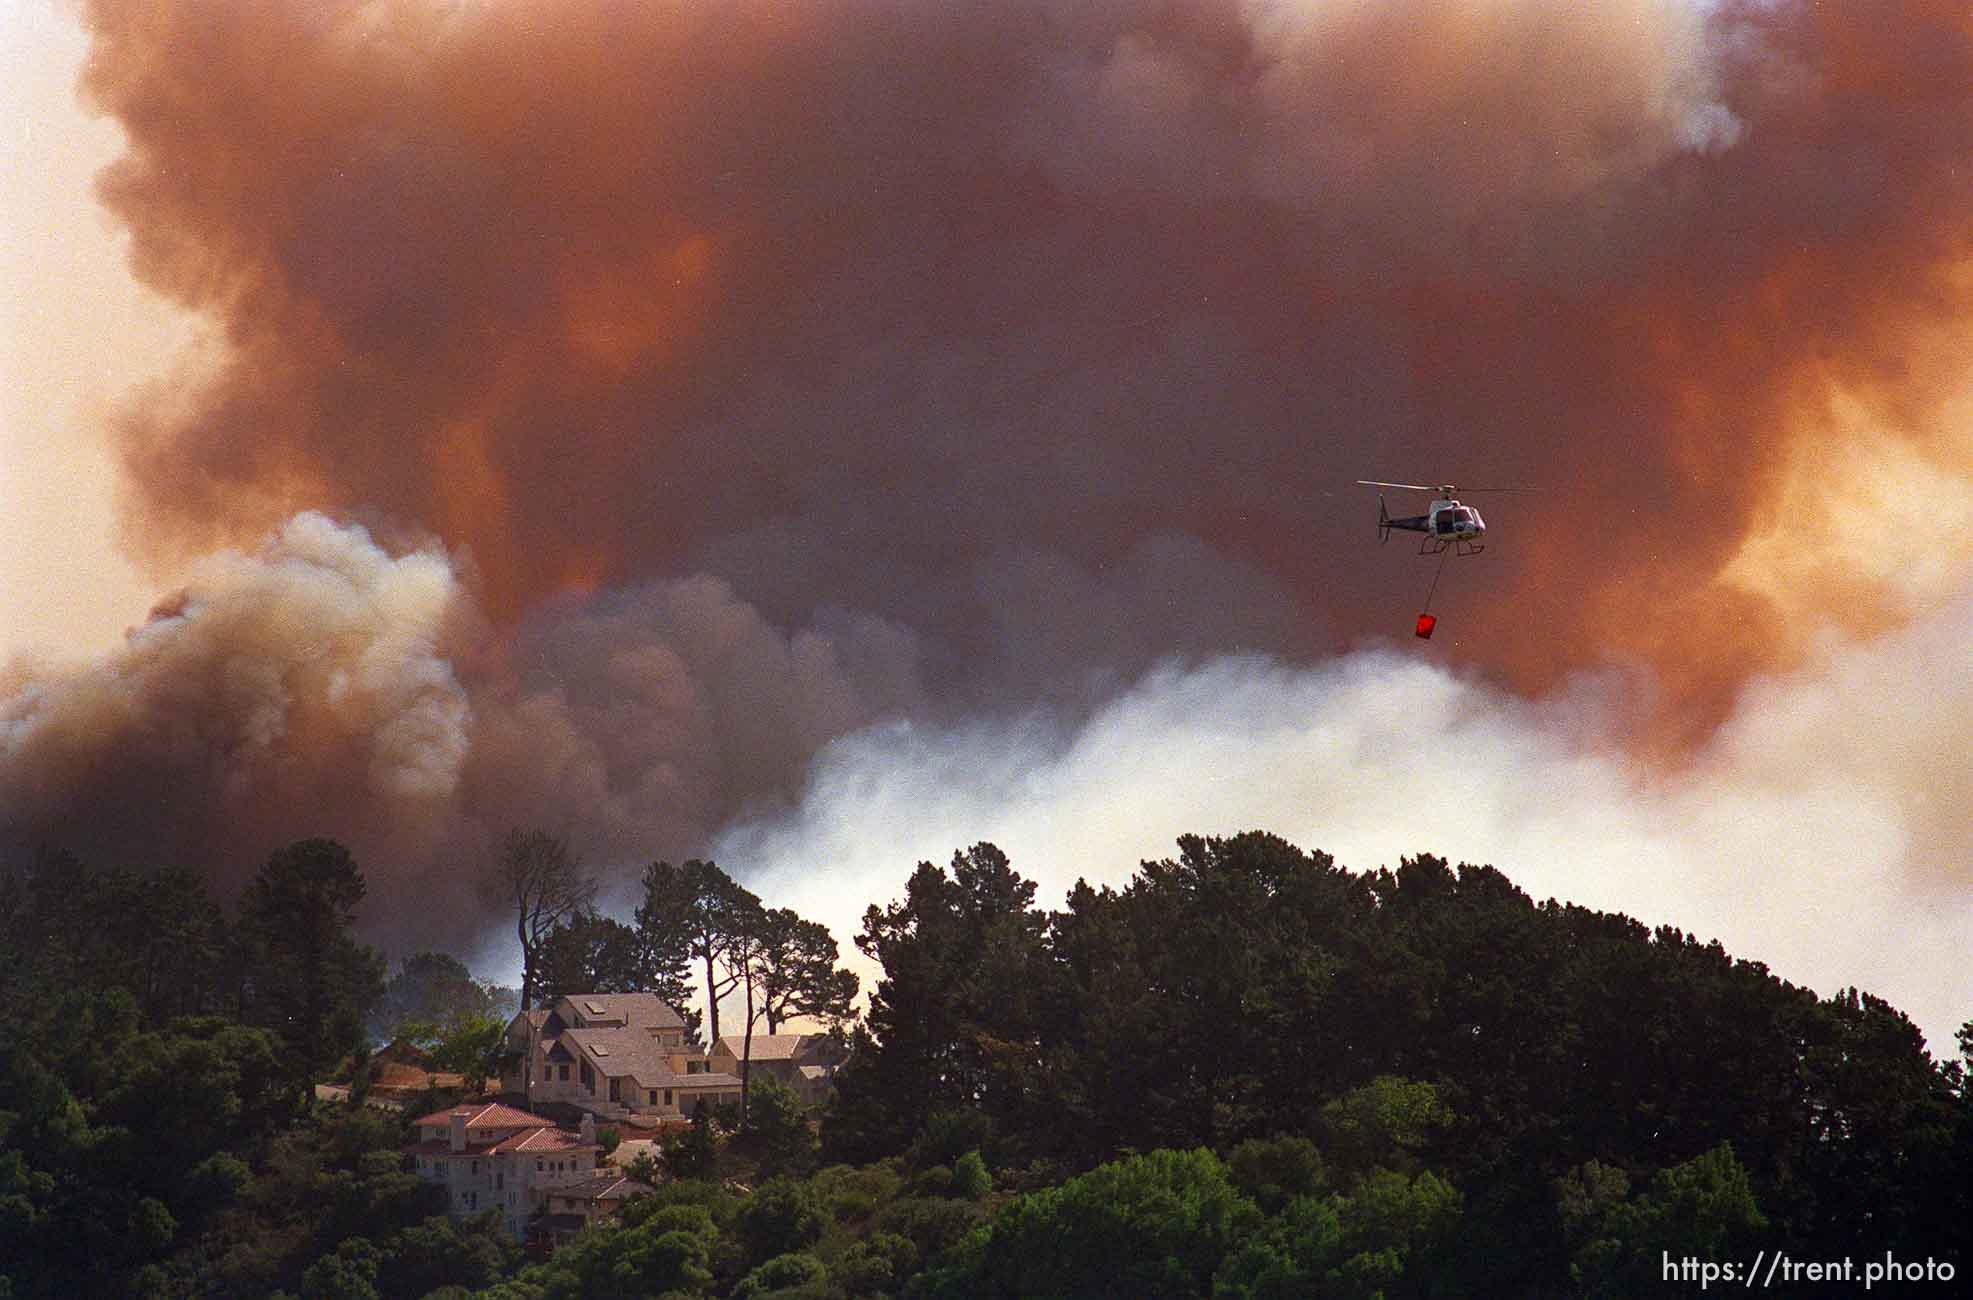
1434,546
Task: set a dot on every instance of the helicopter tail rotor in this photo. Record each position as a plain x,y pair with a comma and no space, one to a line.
1383,521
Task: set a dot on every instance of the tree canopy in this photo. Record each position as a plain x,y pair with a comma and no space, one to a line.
1246,1072
544,883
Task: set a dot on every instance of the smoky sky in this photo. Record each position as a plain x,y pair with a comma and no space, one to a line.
951,359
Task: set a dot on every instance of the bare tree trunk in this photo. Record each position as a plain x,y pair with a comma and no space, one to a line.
527,959
747,1046
712,1001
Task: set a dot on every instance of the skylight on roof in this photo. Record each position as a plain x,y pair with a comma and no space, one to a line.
596,1008
599,1049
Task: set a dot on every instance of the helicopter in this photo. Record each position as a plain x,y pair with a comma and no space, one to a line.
1446,522
1449,527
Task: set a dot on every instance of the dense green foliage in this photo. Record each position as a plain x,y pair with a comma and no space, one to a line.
433,993
1248,1074
1247,989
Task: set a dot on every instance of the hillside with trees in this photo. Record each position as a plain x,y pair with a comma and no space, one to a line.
1250,1072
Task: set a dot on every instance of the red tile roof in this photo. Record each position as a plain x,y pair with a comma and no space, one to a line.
486,1115
542,1139
546,1138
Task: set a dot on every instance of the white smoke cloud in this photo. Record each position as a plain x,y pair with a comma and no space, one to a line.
1818,832
320,684
309,669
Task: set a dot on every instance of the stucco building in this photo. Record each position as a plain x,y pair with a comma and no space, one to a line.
614,1055
805,1062
493,1157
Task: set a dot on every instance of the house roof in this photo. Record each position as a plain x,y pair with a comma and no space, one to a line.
490,1114
402,1050
618,1052
609,1187
635,1010
704,1079
633,1053
766,1047
542,1139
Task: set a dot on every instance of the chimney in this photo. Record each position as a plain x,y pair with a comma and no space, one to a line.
587,1130
458,1130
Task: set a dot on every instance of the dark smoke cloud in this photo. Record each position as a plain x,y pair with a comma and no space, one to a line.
840,300
322,685
1007,347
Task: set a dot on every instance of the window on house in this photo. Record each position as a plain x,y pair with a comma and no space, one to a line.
589,1078
565,1074
539,1165
476,1166
667,1096
654,1097
500,1181
615,1084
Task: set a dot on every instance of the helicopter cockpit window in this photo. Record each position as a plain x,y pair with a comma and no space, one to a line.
1447,521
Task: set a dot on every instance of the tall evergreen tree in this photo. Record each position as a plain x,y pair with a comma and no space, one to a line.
430,988
306,977
698,909
793,964
546,884
589,953
953,1022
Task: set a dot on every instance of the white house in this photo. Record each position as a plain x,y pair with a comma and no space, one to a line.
573,1208
805,1062
614,1055
488,1156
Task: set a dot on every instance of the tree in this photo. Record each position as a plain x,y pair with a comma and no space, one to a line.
954,1021
1703,1208
788,967
776,1132
1383,1124
589,953
307,978
700,911
544,881
432,988
690,1154
793,966
1152,1225
156,933
471,1047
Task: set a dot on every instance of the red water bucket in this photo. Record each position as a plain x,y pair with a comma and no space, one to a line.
1426,622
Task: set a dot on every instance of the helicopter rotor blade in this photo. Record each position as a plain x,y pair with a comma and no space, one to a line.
1435,487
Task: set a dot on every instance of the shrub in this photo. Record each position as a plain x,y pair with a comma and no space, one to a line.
780,1218
970,1179
781,1273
